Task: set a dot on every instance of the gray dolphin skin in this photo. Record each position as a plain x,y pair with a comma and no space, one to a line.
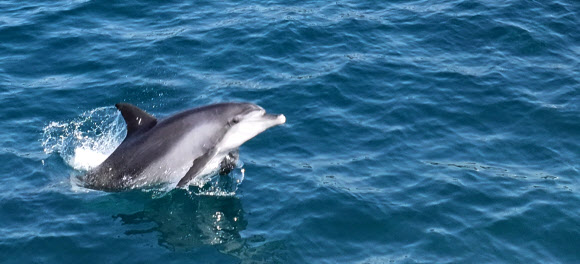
181,148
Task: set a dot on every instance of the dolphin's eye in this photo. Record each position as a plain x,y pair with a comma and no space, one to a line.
235,120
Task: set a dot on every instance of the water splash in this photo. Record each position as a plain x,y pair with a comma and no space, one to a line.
220,185
86,141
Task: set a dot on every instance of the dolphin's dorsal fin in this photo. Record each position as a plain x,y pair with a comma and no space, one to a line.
136,118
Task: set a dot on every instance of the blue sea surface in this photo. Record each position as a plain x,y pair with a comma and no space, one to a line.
417,131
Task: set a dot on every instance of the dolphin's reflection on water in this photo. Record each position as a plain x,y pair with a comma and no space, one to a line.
185,221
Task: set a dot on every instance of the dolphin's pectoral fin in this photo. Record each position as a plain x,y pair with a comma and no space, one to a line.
229,162
136,118
197,167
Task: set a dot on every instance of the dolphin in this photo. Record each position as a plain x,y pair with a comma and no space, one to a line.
181,148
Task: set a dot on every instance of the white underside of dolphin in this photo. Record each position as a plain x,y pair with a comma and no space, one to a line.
180,149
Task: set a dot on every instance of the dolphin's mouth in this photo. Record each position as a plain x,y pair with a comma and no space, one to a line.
280,119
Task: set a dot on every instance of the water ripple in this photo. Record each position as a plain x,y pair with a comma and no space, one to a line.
417,131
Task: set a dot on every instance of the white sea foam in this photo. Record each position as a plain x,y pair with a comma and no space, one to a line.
87,158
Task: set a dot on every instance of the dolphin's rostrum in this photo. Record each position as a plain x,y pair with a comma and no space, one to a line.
181,148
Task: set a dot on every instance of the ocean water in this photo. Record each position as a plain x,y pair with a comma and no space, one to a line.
417,131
